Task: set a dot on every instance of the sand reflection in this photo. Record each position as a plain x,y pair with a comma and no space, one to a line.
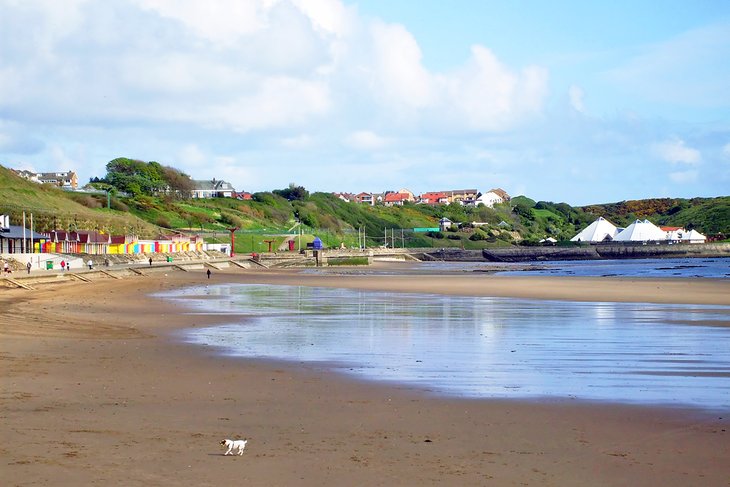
482,347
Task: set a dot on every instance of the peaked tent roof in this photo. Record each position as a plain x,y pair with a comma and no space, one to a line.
695,236
598,231
641,231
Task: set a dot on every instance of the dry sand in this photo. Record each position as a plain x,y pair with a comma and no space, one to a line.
96,392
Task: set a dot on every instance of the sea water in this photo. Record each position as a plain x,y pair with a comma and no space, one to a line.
480,347
714,268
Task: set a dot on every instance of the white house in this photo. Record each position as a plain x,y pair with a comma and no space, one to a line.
212,189
489,199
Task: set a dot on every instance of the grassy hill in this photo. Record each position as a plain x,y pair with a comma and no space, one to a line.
269,216
53,208
708,215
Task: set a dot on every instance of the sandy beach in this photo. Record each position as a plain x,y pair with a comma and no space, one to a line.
95,390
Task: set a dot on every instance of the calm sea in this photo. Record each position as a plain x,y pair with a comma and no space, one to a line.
673,355
717,268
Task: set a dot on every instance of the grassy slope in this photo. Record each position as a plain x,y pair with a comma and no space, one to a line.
52,207
708,215
271,217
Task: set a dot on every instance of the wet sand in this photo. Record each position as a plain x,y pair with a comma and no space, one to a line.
94,390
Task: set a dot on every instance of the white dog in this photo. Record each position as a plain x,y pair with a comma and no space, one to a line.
234,445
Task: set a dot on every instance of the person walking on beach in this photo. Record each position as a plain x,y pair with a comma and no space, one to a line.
150,261
90,264
6,268
208,273
63,265
28,266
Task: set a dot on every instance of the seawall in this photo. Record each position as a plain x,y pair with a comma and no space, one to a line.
606,251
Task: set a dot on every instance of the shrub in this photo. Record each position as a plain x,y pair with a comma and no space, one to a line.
163,221
478,235
230,220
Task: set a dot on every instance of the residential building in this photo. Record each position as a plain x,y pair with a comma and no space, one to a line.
66,180
243,195
433,198
462,196
347,197
674,234
501,193
212,188
489,199
397,199
366,198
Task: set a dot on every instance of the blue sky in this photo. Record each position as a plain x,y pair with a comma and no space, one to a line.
575,101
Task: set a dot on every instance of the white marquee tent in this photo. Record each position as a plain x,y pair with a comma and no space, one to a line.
641,231
693,236
600,230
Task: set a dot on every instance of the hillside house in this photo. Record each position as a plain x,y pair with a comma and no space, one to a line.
462,196
366,198
397,199
501,193
489,199
433,198
65,180
346,197
212,188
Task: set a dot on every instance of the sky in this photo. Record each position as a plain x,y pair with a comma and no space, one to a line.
564,101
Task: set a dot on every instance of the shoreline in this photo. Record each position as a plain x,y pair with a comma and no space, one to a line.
101,376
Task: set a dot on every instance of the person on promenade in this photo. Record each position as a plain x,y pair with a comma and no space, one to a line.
208,273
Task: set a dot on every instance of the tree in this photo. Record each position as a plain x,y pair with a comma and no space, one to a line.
179,183
293,192
146,178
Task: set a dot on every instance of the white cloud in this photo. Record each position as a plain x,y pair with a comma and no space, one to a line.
366,140
219,21
688,69
576,96
233,88
486,95
301,141
191,156
683,177
330,16
248,66
397,72
677,152
63,160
